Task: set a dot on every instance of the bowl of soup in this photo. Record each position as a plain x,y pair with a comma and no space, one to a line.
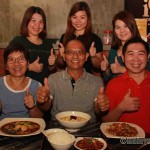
73,119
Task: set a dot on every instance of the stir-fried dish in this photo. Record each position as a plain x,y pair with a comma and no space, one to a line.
20,127
90,144
122,129
73,118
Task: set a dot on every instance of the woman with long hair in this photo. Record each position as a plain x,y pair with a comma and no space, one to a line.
79,26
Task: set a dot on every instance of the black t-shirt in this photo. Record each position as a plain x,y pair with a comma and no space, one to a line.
42,51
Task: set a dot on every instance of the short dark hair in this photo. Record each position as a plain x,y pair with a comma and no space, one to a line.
135,40
26,19
15,47
77,41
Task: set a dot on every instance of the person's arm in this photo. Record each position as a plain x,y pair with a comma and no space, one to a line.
127,104
36,66
44,103
60,60
44,99
96,60
29,102
52,62
101,102
116,67
35,112
113,115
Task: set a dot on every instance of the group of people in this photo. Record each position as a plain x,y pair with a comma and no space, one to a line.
38,80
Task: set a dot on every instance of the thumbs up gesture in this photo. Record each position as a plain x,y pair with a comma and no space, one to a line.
28,100
116,67
129,103
36,66
102,102
51,58
43,92
92,50
104,63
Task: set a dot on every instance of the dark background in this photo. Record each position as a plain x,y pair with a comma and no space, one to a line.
137,9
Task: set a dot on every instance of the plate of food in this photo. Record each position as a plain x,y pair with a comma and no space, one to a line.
122,130
18,127
90,143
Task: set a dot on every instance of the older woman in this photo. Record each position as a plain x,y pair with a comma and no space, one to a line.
18,92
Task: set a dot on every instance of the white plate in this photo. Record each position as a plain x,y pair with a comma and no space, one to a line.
105,126
39,121
80,138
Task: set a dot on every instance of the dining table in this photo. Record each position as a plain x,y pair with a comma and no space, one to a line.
40,142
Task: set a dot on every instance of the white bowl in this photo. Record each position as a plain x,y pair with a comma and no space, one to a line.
73,124
48,132
61,140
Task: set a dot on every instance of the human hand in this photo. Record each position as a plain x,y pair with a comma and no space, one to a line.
28,100
129,103
92,50
104,63
51,58
36,66
116,67
61,50
102,101
43,92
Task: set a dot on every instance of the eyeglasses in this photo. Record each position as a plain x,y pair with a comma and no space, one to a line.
72,53
12,60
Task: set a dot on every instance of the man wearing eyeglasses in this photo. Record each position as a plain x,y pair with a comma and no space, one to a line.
73,89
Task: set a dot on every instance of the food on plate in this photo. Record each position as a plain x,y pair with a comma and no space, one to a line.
90,144
20,127
122,129
73,118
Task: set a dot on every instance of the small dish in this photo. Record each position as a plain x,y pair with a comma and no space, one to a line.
61,140
90,138
49,132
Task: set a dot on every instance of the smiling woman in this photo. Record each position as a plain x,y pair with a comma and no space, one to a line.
33,33
17,95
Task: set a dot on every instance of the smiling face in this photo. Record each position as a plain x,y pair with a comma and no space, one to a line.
79,21
36,25
135,58
16,64
75,55
122,31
